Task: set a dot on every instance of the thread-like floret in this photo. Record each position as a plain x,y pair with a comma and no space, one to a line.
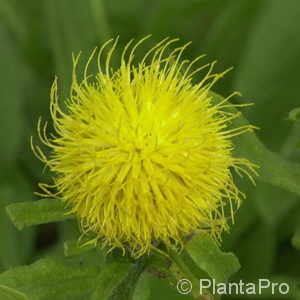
141,155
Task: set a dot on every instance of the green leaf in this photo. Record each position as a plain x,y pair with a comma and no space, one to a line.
15,247
78,277
269,204
244,220
268,77
101,23
293,294
73,26
25,214
76,247
273,169
151,287
260,260
142,290
294,114
11,92
200,259
207,256
118,279
110,278
55,278
296,238
238,18
11,294
12,19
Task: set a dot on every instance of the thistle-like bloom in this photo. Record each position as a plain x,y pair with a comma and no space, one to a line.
142,155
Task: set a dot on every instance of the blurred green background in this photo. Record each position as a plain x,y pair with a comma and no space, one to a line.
260,38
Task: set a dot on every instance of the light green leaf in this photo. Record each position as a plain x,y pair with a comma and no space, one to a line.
25,214
11,294
207,256
100,19
142,290
294,114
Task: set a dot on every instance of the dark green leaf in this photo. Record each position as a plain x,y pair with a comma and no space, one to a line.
267,294
238,18
150,287
258,256
110,278
12,19
55,278
39,212
296,238
244,220
15,247
118,279
269,202
73,26
11,90
273,169
269,69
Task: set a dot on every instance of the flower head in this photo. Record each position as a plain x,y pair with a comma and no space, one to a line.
142,155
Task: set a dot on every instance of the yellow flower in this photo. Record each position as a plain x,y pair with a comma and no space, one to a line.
141,155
